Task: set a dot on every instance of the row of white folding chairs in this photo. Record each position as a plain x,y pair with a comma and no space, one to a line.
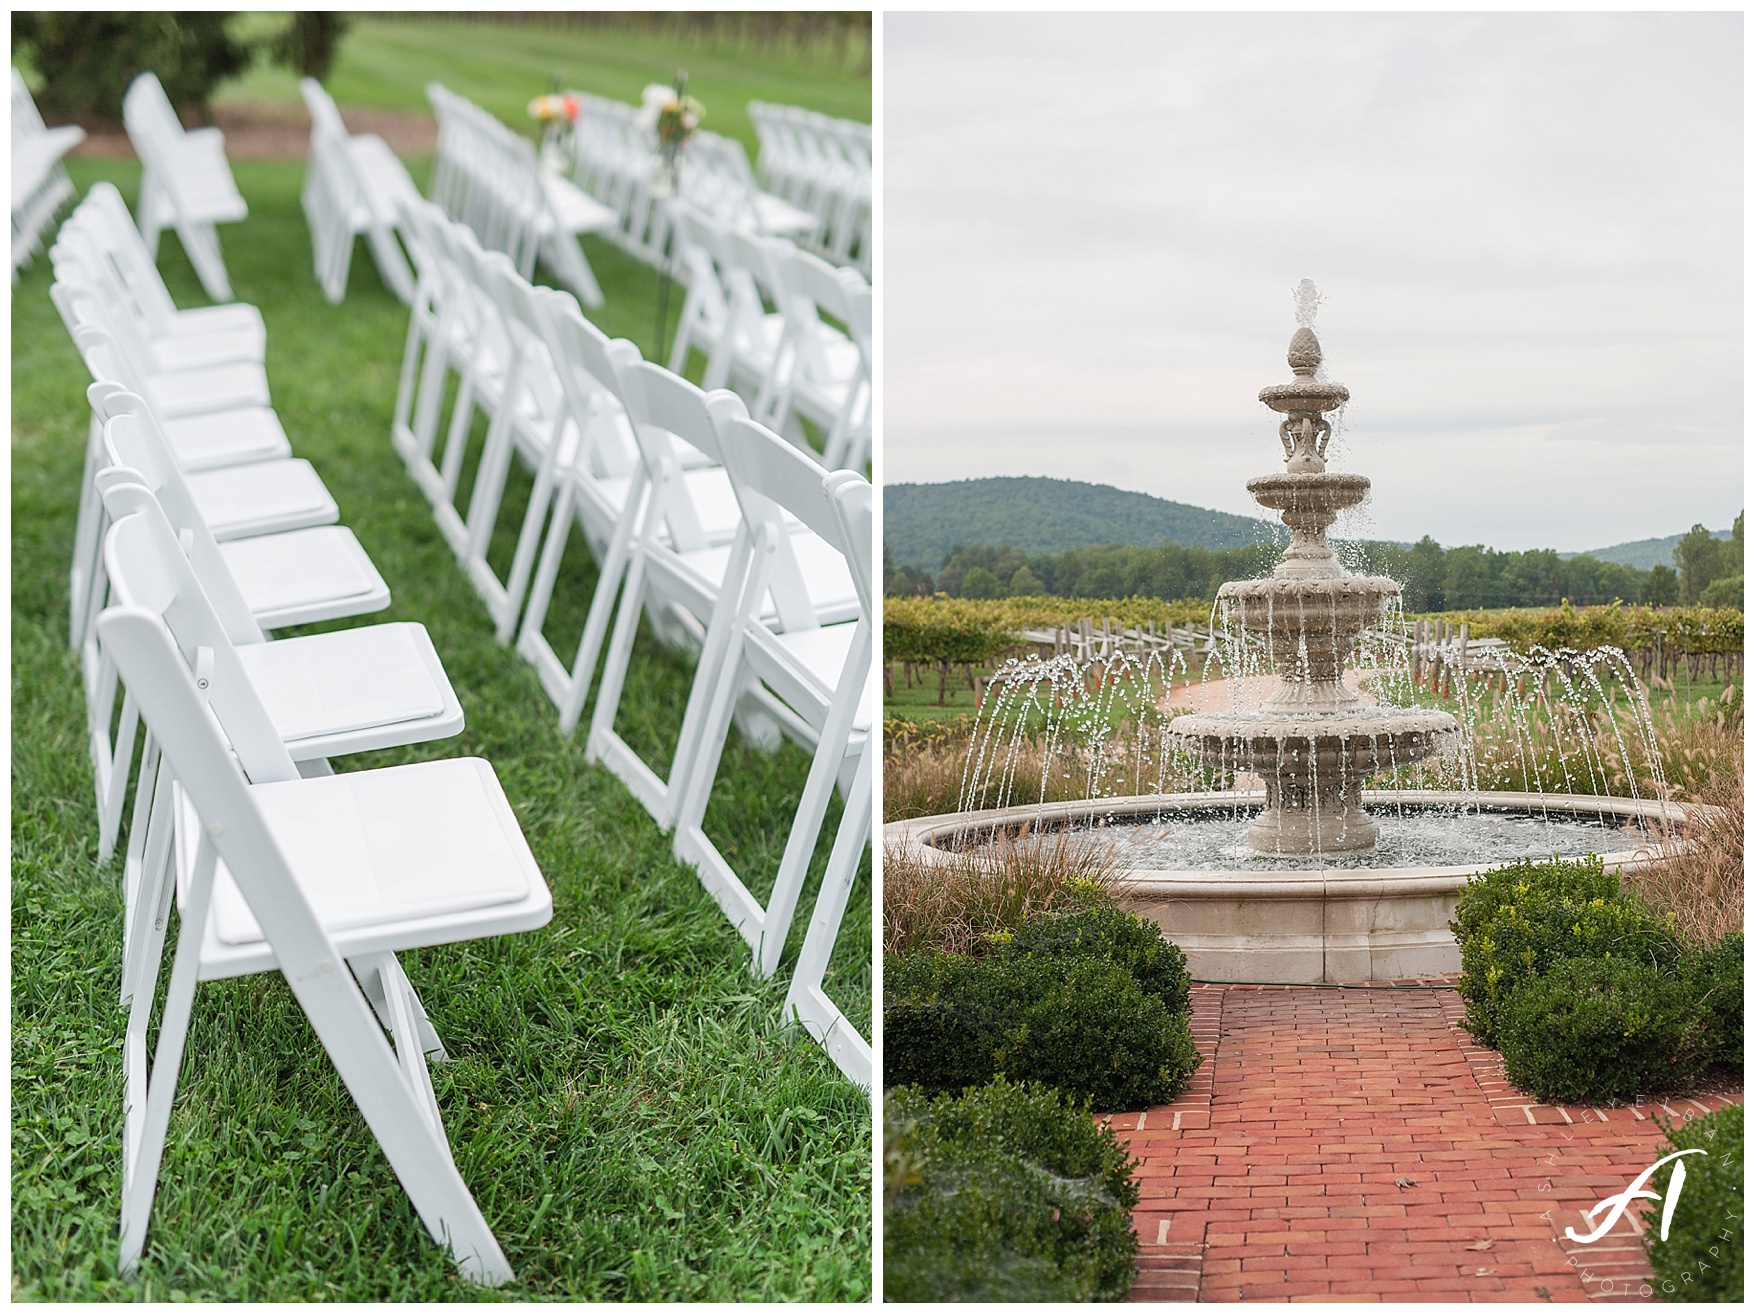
792,363
353,187
616,157
185,181
633,455
285,707
40,185
823,165
261,526
489,177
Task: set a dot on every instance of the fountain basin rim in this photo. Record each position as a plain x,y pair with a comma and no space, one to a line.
921,838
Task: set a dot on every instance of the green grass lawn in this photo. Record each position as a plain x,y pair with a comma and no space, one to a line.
632,1117
387,63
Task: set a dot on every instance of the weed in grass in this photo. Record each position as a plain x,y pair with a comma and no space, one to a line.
632,1117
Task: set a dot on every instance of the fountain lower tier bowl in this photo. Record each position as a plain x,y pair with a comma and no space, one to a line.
1311,918
1359,743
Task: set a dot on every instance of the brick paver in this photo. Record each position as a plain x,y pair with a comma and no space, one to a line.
1355,1144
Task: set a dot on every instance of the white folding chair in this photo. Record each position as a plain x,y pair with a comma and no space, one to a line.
353,187
85,237
705,310
40,185
185,182
672,573
819,672
239,322
532,424
324,880
285,578
806,1000
199,390
823,374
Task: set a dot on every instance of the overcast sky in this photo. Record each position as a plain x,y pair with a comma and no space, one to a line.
1527,230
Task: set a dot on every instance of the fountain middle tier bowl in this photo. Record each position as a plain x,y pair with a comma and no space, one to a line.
1339,606
1357,744
1307,492
1382,916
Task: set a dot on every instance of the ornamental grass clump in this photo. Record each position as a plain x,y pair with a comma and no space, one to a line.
1696,871
1604,1031
1004,1193
959,901
1702,1258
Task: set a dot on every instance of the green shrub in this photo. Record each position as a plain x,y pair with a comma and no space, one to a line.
1538,923
1004,1193
1715,974
88,58
1081,1024
1603,1031
1702,1260
1577,879
1107,932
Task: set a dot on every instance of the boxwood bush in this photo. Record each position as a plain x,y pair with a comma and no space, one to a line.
1604,1030
1082,1024
1105,931
1715,974
1703,1258
1007,1193
1516,922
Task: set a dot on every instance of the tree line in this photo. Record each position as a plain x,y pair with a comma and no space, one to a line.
1707,571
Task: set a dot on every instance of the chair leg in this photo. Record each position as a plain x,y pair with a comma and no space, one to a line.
805,998
147,1111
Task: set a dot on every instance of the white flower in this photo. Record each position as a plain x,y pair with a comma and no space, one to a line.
652,102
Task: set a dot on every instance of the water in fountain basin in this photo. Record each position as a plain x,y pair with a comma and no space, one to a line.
1407,837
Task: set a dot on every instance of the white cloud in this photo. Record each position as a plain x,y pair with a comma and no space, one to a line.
1528,229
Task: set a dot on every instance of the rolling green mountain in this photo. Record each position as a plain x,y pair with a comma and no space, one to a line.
1644,553
923,522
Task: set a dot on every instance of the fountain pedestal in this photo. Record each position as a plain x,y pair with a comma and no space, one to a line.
1312,741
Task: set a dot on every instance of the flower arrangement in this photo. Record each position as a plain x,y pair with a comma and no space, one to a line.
558,112
671,112
673,115
551,109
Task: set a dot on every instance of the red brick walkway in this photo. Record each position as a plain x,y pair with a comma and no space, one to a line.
1354,1144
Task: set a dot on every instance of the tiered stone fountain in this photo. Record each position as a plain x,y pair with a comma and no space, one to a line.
1313,741
1308,895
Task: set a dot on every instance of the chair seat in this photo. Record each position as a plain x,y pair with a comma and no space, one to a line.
193,351
574,211
265,497
384,177
348,691
221,438
236,319
305,575
778,218
826,577
33,157
211,388
708,488
391,859
813,658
